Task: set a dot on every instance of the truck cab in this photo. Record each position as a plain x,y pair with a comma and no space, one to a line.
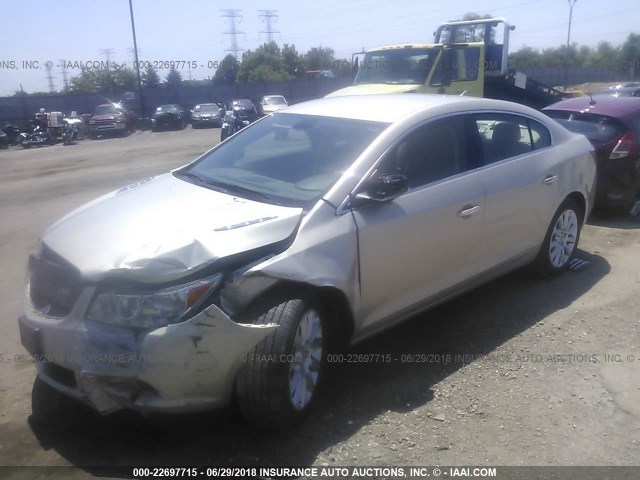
467,58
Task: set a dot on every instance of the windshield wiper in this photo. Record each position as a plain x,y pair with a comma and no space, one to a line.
242,191
197,179
229,188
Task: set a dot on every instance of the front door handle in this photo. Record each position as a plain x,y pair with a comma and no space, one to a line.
550,179
468,210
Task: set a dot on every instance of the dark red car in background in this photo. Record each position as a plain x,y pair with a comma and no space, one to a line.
612,124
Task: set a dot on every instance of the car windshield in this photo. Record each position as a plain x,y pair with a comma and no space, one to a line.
207,108
399,66
285,159
243,103
106,110
597,128
167,108
274,101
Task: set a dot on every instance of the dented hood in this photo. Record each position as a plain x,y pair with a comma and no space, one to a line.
164,228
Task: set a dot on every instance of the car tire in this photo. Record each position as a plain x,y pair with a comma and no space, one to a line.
561,240
277,383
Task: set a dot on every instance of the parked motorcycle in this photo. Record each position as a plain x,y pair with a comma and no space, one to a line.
37,137
13,134
242,113
70,133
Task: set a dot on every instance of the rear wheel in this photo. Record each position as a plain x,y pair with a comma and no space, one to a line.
278,383
561,241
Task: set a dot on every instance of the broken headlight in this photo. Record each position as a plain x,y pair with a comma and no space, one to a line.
152,310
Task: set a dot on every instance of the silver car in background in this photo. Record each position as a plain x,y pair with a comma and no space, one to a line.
311,229
272,103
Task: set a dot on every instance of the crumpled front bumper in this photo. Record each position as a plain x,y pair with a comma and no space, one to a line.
183,367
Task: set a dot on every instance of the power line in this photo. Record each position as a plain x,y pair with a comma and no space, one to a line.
107,52
268,17
63,71
233,15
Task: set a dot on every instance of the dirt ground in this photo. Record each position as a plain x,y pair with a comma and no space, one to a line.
521,371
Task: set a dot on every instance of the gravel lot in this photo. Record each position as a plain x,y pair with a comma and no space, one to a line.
521,371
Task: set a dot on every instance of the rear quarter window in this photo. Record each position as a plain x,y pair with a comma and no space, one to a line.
540,136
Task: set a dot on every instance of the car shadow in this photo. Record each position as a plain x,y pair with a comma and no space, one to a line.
612,218
354,396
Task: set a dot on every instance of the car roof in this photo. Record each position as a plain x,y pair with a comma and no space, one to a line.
618,107
391,108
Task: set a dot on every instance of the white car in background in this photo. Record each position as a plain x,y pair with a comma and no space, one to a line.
272,103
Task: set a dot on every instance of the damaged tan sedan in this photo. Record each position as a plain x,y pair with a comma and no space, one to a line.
313,228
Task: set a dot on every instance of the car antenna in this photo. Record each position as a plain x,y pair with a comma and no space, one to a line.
591,100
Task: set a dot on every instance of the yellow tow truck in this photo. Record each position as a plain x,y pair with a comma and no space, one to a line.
468,58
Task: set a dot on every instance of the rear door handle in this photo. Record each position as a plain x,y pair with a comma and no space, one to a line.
468,210
550,179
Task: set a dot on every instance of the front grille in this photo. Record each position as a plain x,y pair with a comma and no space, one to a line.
104,122
54,284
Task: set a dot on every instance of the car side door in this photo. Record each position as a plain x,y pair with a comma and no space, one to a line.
426,241
521,183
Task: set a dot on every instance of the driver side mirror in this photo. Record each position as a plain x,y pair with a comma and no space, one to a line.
384,188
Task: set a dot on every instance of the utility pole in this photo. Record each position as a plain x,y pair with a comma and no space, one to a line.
566,63
137,63
233,15
269,17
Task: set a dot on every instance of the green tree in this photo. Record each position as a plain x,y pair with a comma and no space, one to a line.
116,78
293,61
173,78
265,64
630,55
150,77
319,58
227,70
83,83
605,56
526,57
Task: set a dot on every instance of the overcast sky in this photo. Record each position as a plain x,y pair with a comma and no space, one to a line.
81,30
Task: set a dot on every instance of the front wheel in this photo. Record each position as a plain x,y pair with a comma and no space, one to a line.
561,241
278,383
